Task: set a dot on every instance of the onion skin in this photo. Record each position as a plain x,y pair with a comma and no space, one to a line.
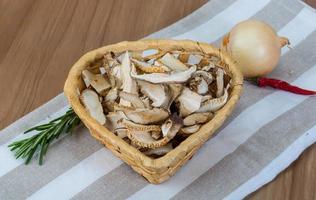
255,47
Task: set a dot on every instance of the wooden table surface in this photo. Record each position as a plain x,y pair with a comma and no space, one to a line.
40,40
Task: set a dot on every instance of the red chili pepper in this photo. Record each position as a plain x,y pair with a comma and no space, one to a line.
282,85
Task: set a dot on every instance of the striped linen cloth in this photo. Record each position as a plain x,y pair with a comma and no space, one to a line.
267,131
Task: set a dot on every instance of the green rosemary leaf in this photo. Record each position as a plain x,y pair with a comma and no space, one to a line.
27,148
74,124
40,160
39,128
70,125
30,155
45,147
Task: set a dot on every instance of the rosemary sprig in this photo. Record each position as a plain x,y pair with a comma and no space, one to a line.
26,148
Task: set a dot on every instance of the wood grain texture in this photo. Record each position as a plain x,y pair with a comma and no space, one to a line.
40,40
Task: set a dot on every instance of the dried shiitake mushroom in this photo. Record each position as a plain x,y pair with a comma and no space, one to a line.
150,98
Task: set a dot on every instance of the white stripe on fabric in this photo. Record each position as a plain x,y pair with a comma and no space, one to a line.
220,32
7,159
223,22
281,162
238,131
77,178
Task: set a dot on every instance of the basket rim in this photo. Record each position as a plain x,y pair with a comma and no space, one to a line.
185,147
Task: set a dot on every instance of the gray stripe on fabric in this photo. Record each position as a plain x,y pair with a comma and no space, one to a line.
27,179
279,13
198,17
118,184
267,143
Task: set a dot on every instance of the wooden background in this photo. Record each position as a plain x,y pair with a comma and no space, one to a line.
40,40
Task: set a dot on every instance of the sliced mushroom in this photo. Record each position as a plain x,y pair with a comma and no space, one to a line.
146,102
186,131
129,84
166,127
156,92
148,68
97,81
133,98
206,98
108,63
112,106
112,119
197,118
175,91
220,82
145,116
199,85
176,53
109,106
138,127
120,57
90,100
102,70
145,87
189,102
176,77
202,87
205,75
156,134
171,127
144,138
117,75
212,105
173,63
122,133
208,67
111,95
160,151
159,64
110,60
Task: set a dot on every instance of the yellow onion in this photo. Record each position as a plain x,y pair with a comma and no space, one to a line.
255,46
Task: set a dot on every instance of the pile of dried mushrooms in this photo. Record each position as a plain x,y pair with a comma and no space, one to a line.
155,99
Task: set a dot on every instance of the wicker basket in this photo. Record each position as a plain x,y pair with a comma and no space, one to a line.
160,169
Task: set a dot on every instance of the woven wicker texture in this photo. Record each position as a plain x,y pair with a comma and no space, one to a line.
160,169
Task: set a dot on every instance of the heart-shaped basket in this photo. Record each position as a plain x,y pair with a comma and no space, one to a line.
159,169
